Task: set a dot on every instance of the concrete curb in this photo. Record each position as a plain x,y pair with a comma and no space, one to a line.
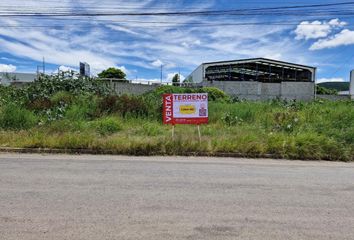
114,152
186,154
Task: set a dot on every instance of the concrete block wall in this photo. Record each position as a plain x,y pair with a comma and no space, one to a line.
244,90
298,90
303,91
131,88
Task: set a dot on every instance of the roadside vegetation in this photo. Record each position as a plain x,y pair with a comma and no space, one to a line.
64,112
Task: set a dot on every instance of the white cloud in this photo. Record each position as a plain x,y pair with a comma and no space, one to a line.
122,29
7,68
124,69
157,63
136,42
56,50
317,29
147,80
322,80
345,37
335,22
66,68
191,44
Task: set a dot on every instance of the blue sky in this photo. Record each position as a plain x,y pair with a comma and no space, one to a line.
139,45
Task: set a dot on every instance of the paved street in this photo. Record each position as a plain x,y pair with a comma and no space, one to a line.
117,197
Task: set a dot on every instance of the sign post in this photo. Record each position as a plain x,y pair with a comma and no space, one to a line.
185,109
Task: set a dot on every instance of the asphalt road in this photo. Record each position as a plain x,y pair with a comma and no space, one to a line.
116,197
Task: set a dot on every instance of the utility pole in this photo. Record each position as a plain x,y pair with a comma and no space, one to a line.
43,65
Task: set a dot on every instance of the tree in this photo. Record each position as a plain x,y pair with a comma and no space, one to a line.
112,73
175,80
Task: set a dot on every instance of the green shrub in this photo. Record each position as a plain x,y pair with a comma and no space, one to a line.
214,94
77,112
46,86
231,119
326,91
39,104
286,121
85,107
62,98
108,125
124,105
151,129
16,118
108,104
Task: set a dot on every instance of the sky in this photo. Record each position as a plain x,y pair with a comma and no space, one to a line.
139,45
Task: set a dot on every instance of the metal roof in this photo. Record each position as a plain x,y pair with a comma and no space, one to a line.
261,60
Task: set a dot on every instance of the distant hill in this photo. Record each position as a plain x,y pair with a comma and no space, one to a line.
339,86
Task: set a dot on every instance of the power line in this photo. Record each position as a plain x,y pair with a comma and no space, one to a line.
249,11
167,24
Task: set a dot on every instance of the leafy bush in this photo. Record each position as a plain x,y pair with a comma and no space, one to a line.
108,104
326,91
16,118
151,129
214,94
85,107
107,126
286,121
124,105
62,98
10,94
46,86
230,119
39,104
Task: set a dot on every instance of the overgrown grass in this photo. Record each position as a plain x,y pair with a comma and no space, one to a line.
132,125
16,118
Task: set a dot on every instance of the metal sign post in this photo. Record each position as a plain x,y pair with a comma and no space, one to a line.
199,134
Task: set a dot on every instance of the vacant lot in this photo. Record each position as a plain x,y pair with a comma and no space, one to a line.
69,114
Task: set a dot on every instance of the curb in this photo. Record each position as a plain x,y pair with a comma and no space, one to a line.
80,151
114,152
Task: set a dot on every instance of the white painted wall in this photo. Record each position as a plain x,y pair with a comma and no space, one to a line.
197,75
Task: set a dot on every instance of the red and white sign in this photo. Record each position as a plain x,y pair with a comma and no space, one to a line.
185,108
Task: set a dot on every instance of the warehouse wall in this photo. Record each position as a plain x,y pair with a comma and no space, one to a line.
131,88
263,91
243,90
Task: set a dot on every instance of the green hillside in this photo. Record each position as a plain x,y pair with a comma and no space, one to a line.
339,86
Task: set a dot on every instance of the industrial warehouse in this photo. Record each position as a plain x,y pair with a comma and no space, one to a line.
249,79
258,79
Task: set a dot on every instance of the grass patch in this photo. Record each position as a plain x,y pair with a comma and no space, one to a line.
14,117
65,117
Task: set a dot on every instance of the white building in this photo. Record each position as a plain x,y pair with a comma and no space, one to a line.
257,79
16,78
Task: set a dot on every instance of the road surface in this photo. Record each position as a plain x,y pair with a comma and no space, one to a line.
117,197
